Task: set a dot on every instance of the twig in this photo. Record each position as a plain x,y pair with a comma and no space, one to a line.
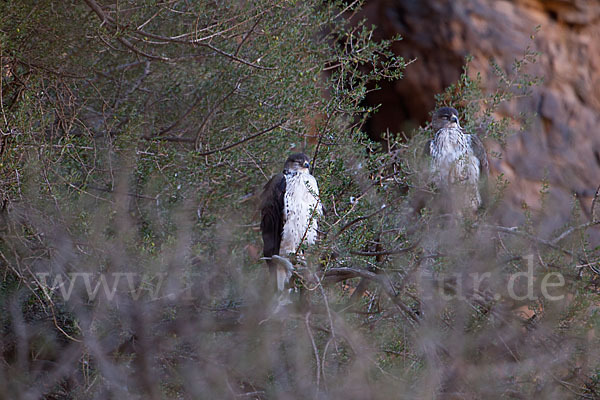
323,362
254,136
235,58
107,19
383,252
328,313
174,139
212,111
318,146
183,116
573,229
357,220
314,346
247,35
514,231
131,47
343,273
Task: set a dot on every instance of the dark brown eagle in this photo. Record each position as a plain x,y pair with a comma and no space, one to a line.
459,162
290,207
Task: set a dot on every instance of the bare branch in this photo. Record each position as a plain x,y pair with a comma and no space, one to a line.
383,252
212,111
254,136
357,220
131,47
314,346
107,19
343,273
577,228
236,58
514,231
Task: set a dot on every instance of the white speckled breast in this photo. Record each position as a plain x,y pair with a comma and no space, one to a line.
453,162
301,207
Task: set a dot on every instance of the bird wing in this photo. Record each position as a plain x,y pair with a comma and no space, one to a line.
481,154
484,168
271,208
427,148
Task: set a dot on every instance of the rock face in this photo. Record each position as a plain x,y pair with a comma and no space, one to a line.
562,145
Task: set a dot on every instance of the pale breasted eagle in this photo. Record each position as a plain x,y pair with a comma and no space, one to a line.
459,162
290,207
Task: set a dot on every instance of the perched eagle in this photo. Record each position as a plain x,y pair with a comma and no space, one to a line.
459,161
289,206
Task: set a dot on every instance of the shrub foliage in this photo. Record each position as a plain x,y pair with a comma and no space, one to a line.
136,137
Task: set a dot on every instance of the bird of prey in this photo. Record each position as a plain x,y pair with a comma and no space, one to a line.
289,206
459,161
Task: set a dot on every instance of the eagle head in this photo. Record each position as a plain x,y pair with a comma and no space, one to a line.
445,117
298,162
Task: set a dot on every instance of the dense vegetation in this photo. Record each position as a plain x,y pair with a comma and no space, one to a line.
136,137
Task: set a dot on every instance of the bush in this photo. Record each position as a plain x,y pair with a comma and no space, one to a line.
136,138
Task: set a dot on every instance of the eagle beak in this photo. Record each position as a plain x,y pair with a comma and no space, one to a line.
454,119
306,164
